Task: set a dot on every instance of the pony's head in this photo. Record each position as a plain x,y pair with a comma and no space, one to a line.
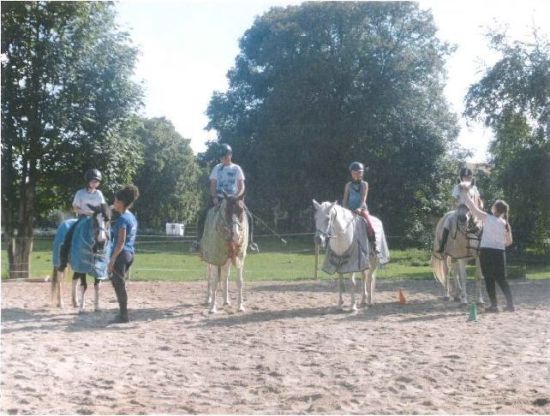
323,221
101,223
234,217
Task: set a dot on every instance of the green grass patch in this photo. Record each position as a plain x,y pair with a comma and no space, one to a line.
169,259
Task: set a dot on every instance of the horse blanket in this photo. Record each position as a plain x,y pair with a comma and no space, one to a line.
82,257
356,258
214,244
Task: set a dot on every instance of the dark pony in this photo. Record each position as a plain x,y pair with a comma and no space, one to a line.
89,253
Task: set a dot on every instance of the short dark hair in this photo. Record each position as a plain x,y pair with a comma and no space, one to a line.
128,195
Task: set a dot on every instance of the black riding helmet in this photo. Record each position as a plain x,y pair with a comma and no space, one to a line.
224,150
356,166
92,174
466,172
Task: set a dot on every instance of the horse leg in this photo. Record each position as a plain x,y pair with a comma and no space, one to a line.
56,299
364,282
240,284
74,287
83,287
214,286
96,294
209,284
353,285
226,270
479,277
463,277
340,291
445,266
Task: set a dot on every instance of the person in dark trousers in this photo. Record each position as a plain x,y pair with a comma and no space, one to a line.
123,233
496,236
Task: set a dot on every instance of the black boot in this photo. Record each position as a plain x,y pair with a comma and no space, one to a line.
443,242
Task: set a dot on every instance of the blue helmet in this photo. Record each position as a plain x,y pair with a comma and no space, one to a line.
92,174
224,149
356,166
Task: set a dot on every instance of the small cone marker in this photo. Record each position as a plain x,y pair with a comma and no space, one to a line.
473,312
402,299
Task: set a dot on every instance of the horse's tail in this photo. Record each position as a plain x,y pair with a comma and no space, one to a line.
439,267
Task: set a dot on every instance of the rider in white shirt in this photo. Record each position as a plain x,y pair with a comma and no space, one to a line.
89,195
465,176
226,177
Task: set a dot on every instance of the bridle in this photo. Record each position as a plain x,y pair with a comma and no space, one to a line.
328,232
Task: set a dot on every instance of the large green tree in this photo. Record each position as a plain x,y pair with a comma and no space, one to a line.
168,178
66,101
513,98
319,85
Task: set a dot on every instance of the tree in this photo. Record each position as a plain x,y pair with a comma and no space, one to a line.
168,178
66,101
319,85
513,98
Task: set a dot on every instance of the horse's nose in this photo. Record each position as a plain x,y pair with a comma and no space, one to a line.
319,240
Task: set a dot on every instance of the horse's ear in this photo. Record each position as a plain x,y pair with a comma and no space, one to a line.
335,203
225,195
316,204
93,207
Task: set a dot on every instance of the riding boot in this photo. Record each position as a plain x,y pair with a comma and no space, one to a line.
443,242
122,298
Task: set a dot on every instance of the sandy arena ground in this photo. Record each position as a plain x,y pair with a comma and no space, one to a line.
290,352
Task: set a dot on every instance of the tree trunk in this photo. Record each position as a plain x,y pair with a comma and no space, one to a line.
23,241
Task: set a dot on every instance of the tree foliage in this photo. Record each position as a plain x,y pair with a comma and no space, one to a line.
317,86
513,98
66,101
168,178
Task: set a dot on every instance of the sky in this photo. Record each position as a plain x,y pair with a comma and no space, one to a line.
187,47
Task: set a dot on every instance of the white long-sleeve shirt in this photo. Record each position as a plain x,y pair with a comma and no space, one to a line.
496,234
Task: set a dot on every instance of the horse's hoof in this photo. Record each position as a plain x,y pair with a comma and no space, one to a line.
226,304
363,305
446,298
213,311
241,308
456,299
97,310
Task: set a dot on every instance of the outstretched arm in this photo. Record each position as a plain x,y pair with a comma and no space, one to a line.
476,212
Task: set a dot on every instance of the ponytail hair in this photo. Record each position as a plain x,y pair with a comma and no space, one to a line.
502,209
128,195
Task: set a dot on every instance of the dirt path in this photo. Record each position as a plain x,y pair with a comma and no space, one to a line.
290,352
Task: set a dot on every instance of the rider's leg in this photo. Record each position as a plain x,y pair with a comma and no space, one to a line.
200,225
66,246
370,229
443,242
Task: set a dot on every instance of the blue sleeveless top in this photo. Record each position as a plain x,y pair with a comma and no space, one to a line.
354,196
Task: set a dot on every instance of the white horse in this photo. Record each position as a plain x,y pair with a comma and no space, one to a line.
462,245
224,242
341,227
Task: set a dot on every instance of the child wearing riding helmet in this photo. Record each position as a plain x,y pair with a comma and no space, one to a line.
226,177
496,236
355,197
89,195
123,234
465,176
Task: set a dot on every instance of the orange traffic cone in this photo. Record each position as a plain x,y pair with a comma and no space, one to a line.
402,299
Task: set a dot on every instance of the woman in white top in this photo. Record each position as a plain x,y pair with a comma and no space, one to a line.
496,236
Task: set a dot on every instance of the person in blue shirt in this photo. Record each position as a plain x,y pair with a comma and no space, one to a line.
123,234
355,198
